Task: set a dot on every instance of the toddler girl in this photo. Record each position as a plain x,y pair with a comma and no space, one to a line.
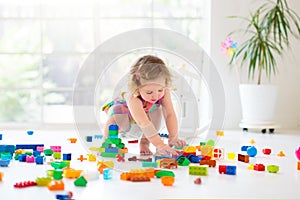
146,102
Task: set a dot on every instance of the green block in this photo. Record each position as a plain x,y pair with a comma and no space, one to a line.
81,182
202,143
198,170
105,145
210,143
162,173
115,141
113,132
48,152
109,155
121,145
149,164
183,161
273,168
68,163
57,155
58,165
57,174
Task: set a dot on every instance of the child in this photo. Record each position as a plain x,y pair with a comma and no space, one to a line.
147,100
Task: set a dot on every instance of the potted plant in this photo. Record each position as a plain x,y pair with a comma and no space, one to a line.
267,35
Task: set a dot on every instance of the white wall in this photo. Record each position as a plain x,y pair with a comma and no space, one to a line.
288,78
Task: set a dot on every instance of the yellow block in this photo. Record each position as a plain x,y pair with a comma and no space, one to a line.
220,133
230,155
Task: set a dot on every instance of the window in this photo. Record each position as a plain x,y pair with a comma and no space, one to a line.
43,44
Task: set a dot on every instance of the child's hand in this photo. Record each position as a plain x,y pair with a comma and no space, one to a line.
177,143
167,150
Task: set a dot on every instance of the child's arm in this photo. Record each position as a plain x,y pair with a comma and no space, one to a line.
171,120
139,115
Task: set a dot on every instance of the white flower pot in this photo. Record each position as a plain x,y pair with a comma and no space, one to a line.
258,105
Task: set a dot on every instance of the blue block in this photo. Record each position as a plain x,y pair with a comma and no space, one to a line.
39,160
112,150
30,132
244,148
28,146
194,159
22,157
89,138
0,136
7,148
4,163
67,156
107,173
98,136
165,135
113,127
231,170
36,153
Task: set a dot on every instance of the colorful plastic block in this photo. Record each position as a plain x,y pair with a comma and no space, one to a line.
1,176
183,161
89,138
56,185
39,160
43,181
133,141
243,158
251,151
281,154
139,179
30,159
298,165
198,170
71,173
28,146
167,180
297,153
58,165
48,152
230,155
194,159
56,148
198,181
64,196
72,140
0,136
24,184
163,173
149,164
210,163
231,170
4,163
259,167
218,153
67,156
168,163
273,168
80,182
244,148
107,174
81,158
91,157
266,151
220,133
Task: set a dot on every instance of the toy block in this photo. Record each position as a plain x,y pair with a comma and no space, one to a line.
24,184
48,152
72,140
161,157
57,155
89,138
168,163
183,161
64,196
252,141
297,153
107,174
252,151
43,181
72,173
220,133
149,164
281,154
198,170
57,174
40,148
1,176
231,170
7,148
30,132
123,150
194,159
266,151
80,182
210,143
28,146
167,180
58,165
230,155
222,169
243,158
30,159
0,136
251,166
22,157
207,150
189,149
202,143
56,185
39,160
56,148
163,173
91,157
133,141
67,162
6,156
81,158
36,153
139,179
259,167
164,135
218,153
108,154
113,127
298,165
98,137
67,156
120,158
112,150
244,148
273,168
210,163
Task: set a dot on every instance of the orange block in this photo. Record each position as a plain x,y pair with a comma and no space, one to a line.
298,165
73,140
167,180
2,174
56,185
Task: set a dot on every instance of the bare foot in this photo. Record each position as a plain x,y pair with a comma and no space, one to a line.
144,147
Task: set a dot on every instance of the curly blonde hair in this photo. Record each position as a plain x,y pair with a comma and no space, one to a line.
148,67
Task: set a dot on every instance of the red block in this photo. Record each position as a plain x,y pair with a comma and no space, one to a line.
222,169
267,151
259,167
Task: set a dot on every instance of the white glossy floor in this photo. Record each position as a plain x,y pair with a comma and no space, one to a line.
247,184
